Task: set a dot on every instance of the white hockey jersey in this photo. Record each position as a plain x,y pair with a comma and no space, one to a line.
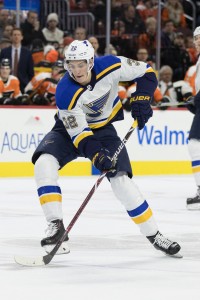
83,108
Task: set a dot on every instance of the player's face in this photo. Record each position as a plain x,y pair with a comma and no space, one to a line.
79,69
197,42
5,72
57,73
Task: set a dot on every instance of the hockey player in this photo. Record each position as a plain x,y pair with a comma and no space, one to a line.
9,84
88,104
193,203
42,87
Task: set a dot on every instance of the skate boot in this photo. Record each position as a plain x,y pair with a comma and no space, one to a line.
54,232
164,244
193,203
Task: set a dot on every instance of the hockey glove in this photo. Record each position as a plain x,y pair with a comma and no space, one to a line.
40,100
102,160
141,109
161,104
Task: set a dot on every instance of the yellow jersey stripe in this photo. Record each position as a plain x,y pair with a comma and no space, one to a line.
195,169
46,198
74,98
108,69
150,70
144,217
81,136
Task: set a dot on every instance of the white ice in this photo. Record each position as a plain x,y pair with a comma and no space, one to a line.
109,259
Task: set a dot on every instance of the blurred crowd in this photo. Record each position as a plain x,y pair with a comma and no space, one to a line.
31,56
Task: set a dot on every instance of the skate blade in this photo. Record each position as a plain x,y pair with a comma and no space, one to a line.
195,206
64,249
177,255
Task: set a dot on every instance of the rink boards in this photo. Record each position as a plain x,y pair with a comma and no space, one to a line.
161,148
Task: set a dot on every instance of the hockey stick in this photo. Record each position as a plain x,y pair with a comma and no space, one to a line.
172,104
44,260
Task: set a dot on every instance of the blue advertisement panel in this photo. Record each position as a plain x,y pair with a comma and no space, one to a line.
24,5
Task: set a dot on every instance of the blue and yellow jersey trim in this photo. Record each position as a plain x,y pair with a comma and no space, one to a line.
141,214
79,137
105,65
196,166
66,99
149,69
49,194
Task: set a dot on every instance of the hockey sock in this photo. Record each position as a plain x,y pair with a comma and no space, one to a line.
137,207
49,192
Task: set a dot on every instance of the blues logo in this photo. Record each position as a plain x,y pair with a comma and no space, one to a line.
96,106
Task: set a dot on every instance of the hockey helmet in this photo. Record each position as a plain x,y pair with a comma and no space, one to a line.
79,50
59,64
196,31
5,62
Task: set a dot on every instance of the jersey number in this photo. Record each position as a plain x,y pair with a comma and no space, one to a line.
70,122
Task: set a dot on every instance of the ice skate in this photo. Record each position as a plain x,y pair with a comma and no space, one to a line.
164,244
54,232
193,203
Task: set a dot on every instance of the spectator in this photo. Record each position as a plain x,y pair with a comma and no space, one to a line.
177,91
148,39
173,10
50,54
132,20
80,34
7,32
66,41
148,8
37,50
4,43
118,29
168,34
95,44
9,85
42,87
31,30
177,57
4,20
191,48
143,55
98,8
20,57
53,35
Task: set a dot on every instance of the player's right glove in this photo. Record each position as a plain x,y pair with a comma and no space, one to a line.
102,160
141,109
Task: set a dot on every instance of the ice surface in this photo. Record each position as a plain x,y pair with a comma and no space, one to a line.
109,259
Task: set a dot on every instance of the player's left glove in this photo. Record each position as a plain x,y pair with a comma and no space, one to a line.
141,109
102,160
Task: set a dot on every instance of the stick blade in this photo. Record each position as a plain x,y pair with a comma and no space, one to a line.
29,261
